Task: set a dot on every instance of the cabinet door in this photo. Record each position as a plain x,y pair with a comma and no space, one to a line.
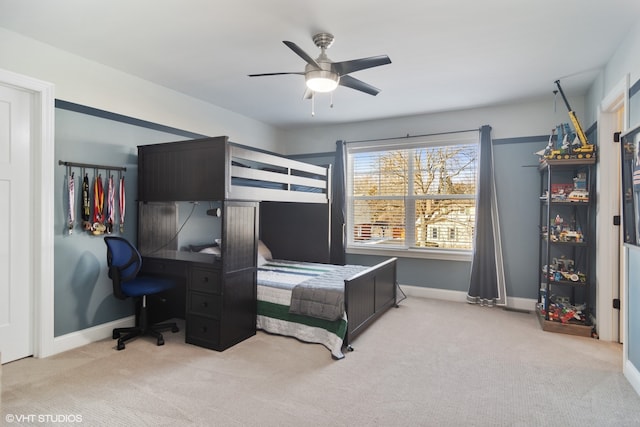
182,171
239,236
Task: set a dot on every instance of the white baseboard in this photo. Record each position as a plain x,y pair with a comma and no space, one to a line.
89,335
460,296
632,375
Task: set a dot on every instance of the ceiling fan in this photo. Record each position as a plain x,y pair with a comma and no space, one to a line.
323,75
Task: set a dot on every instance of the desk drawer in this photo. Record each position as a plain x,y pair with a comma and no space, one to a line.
204,304
207,280
164,267
203,331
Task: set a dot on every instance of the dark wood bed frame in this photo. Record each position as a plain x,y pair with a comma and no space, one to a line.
367,296
216,169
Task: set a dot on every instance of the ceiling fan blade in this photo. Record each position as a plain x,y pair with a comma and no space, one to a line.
275,74
356,84
346,67
301,53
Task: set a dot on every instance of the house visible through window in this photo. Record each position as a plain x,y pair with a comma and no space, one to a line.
413,193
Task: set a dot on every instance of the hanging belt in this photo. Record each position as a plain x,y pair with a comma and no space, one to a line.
72,200
86,208
110,205
122,204
98,206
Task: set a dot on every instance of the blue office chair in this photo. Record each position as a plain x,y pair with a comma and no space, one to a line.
124,262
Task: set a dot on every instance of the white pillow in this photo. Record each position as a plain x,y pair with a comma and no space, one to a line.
264,254
214,250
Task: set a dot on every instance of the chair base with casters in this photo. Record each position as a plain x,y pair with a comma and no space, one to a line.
143,328
124,262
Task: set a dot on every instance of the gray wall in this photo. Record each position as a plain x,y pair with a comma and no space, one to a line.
518,192
82,290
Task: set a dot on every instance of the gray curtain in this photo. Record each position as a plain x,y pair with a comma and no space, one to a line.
338,207
487,285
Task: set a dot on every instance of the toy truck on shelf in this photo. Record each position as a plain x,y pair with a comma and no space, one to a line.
565,144
568,145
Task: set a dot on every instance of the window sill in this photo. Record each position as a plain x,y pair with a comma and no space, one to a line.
439,254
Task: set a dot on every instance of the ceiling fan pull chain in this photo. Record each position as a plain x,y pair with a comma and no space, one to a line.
313,104
331,104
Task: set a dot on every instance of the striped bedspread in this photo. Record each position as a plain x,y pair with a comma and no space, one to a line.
276,280
287,274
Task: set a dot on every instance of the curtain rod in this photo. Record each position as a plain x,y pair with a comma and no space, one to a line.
414,136
90,166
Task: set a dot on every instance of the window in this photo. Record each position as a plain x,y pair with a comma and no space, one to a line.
413,195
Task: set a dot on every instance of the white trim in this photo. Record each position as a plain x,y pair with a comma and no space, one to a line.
439,254
87,336
527,304
353,246
42,161
618,97
608,236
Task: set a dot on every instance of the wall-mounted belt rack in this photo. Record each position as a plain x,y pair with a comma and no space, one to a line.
104,211
90,166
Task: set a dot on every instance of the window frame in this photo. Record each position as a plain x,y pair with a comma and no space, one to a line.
407,251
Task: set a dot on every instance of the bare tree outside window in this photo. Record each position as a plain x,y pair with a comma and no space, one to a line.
403,197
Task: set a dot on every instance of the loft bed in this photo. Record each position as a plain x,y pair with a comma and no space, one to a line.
216,169
259,176
294,206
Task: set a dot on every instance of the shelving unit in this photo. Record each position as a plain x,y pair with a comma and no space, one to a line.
566,263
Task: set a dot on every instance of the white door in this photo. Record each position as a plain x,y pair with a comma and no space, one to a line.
16,260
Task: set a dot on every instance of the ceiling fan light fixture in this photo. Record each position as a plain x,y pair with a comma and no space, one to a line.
322,81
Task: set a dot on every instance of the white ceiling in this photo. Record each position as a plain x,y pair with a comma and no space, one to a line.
446,54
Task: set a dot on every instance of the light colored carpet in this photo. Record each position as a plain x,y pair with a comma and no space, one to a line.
426,363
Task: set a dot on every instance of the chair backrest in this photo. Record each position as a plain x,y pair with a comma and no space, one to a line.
124,262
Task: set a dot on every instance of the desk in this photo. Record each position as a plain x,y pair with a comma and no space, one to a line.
219,306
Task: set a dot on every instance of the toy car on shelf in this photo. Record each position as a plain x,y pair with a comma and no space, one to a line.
570,236
578,196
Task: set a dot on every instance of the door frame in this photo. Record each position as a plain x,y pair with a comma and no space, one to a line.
611,324
42,165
